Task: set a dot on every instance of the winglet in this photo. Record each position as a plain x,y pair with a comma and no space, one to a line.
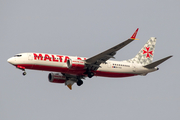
134,35
70,86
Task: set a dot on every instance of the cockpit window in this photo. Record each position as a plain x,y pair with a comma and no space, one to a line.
17,55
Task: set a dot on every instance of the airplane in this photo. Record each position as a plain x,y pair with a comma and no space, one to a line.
71,69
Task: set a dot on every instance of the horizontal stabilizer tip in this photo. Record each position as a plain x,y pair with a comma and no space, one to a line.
154,64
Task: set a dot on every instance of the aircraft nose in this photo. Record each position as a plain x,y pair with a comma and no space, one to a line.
10,60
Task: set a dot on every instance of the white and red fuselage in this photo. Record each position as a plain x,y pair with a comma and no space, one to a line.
58,63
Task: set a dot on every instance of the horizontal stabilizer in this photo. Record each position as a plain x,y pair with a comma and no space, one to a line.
154,64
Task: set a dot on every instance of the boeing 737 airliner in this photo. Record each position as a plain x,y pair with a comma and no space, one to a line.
70,69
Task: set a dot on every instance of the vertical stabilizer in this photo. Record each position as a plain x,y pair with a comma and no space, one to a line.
145,55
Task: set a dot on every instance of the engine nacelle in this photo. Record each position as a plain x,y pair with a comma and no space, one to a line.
56,78
75,64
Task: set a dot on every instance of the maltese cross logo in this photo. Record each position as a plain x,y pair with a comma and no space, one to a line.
148,52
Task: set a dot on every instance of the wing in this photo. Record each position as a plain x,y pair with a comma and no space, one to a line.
71,79
94,62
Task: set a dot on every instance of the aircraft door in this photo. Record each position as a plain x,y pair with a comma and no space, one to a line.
109,64
134,67
30,56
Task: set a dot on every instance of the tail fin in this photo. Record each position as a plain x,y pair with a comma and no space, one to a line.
145,55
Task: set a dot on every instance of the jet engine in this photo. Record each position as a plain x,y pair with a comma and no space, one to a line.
75,64
56,78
